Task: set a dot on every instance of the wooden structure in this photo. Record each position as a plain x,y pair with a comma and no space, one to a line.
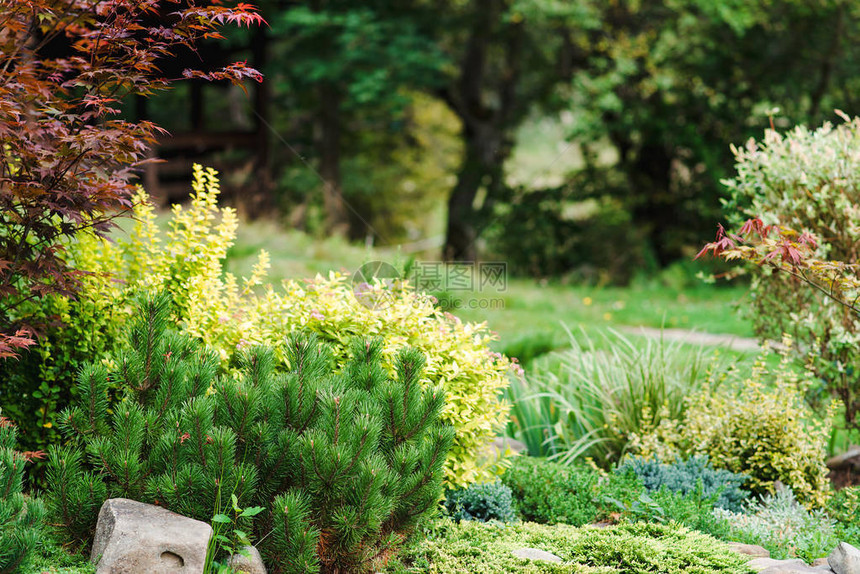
237,149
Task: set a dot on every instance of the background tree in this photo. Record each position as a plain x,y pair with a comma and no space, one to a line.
669,84
349,70
509,55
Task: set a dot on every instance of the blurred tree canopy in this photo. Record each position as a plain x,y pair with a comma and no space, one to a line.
395,119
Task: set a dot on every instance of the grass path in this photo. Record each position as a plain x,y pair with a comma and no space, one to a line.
733,342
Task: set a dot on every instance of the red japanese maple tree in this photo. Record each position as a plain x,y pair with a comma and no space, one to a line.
67,158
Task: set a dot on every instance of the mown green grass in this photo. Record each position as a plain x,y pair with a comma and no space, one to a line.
531,317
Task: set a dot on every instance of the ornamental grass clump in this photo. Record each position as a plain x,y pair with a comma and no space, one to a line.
603,392
231,315
345,463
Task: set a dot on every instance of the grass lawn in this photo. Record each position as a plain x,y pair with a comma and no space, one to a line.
530,316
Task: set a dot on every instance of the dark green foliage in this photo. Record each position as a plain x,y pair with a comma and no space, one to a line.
487,501
693,509
687,476
20,518
368,458
844,508
536,233
551,493
345,464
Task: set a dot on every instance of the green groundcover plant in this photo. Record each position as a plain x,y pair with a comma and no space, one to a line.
844,508
231,315
468,546
342,465
550,493
21,518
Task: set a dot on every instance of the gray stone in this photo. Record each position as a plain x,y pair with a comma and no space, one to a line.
752,550
535,554
132,538
792,569
761,564
251,564
848,459
845,559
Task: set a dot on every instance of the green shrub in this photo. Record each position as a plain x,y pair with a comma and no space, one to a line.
762,429
548,492
597,398
844,508
449,548
50,556
686,476
693,510
481,501
21,519
808,181
231,314
41,381
352,460
784,527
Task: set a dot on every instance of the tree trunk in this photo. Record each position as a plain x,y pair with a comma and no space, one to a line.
486,126
461,233
655,207
328,141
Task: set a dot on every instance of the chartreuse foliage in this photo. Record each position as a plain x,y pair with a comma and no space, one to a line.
230,315
762,429
469,546
20,518
345,463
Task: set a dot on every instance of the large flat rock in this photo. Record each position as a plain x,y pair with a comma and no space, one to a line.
133,538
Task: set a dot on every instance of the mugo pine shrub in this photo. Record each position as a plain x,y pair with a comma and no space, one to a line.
20,518
231,314
345,463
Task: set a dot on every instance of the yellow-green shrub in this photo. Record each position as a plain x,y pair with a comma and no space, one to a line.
762,428
229,313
